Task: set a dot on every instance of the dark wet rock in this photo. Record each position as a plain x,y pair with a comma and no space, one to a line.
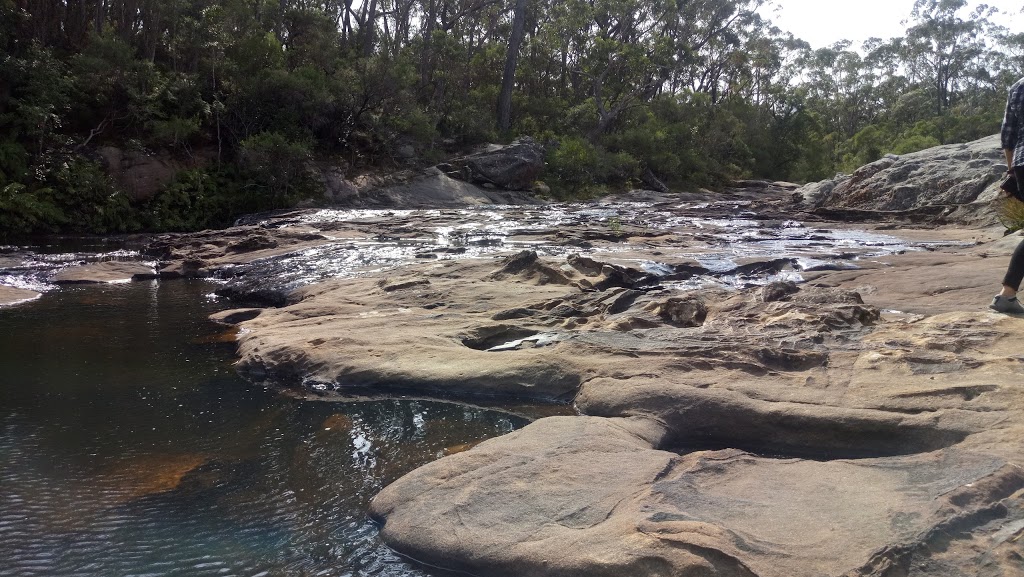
516,166
779,290
185,268
256,290
687,311
392,287
256,240
602,276
526,265
235,316
519,313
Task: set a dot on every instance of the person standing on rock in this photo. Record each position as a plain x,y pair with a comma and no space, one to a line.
1013,146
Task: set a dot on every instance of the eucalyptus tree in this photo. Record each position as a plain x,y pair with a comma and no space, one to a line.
941,46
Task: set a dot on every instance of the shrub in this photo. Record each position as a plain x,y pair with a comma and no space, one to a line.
1010,213
278,170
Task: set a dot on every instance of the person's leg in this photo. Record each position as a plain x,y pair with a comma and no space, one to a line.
1006,300
1014,273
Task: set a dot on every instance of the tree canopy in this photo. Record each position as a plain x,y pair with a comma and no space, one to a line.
252,95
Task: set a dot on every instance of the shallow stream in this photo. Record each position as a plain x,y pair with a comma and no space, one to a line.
129,447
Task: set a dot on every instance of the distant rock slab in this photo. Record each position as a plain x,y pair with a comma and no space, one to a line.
954,183
12,296
105,272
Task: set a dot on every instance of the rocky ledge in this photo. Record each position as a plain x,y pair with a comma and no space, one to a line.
774,431
866,420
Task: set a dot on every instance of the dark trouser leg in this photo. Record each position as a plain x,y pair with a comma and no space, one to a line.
1015,273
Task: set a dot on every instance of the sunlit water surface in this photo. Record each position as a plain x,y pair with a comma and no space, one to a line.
129,447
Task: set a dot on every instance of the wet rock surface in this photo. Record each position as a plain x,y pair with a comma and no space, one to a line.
12,296
815,401
105,272
761,392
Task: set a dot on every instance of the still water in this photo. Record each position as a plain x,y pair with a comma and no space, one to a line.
129,447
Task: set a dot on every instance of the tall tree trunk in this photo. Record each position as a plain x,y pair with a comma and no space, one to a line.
371,29
428,41
508,78
346,31
99,17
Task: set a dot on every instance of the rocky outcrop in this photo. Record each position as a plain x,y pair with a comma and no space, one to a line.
516,166
802,435
428,188
777,431
499,174
597,497
954,183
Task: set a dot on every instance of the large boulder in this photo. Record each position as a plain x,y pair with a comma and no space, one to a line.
513,167
940,181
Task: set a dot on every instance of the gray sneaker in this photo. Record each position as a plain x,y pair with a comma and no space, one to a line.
1010,305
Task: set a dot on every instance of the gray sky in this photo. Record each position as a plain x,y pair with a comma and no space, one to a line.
822,22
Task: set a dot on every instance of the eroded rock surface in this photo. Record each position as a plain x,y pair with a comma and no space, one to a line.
789,429
758,397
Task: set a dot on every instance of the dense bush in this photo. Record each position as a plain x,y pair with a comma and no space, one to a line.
249,93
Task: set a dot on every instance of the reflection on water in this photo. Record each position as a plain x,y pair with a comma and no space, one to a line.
128,446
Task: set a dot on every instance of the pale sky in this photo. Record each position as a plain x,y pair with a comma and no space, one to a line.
822,22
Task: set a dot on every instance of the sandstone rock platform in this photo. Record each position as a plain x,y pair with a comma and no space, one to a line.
783,397
842,426
105,272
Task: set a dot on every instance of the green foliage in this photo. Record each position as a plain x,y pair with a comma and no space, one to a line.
196,200
278,170
86,199
23,212
251,93
1010,213
581,169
